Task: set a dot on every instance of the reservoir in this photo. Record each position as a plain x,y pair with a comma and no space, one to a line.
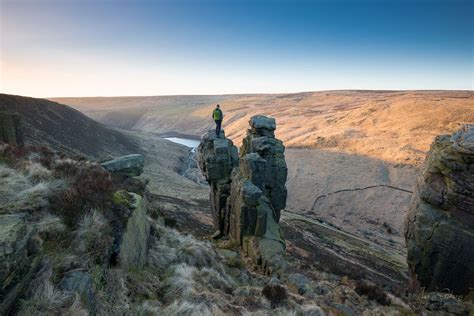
192,143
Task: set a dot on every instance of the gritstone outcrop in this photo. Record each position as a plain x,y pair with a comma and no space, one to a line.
11,129
217,158
440,225
248,190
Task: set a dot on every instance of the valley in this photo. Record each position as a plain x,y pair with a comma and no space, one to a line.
348,193
358,151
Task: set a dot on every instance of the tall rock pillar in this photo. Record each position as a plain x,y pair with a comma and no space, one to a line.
217,156
261,141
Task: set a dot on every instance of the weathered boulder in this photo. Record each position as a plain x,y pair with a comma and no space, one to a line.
130,165
18,259
440,224
134,245
248,193
262,126
11,128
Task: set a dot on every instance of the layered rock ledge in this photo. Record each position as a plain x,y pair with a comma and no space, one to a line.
248,190
440,226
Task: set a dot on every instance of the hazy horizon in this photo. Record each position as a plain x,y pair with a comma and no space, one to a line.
54,49
257,93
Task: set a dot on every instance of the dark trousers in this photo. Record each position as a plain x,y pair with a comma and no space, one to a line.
218,126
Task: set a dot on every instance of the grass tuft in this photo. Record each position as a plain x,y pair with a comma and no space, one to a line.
45,299
94,236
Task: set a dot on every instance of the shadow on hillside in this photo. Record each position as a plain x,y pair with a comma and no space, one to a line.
361,195
345,214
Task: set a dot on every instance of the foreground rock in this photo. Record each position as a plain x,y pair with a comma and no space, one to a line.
440,226
248,192
81,283
134,245
18,259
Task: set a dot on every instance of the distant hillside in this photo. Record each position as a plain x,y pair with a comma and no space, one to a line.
151,114
64,128
395,126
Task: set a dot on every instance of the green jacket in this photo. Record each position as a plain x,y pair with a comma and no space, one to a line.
217,114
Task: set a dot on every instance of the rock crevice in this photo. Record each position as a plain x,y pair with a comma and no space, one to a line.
248,190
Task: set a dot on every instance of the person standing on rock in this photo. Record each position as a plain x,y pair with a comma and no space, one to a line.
217,116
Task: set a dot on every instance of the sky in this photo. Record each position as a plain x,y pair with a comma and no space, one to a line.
59,48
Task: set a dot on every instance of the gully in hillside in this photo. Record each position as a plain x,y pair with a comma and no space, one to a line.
217,116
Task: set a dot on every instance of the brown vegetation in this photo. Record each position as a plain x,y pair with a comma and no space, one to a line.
91,188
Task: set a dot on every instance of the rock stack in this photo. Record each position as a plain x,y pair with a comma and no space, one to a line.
248,191
261,144
11,129
440,226
217,157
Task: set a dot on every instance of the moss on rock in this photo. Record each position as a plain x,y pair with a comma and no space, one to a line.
122,198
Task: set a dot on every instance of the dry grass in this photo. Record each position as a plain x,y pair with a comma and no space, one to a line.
172,247
36,172
185,308
196,282
144,284
29,190
115,298
50,225
37,175
94,238
192,284
48,300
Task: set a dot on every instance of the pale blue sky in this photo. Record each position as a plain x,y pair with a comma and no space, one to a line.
90,48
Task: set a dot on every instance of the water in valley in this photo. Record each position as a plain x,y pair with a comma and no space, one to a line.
192,143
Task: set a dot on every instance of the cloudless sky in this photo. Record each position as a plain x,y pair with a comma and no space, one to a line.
114,48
